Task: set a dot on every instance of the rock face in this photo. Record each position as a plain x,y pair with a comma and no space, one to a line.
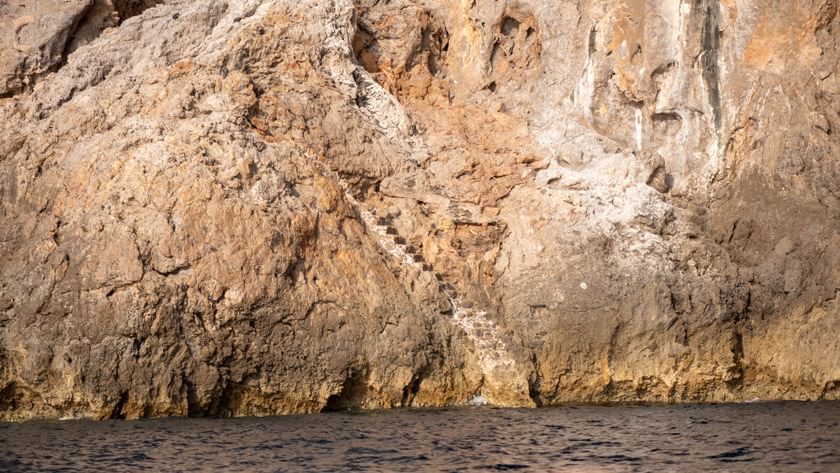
246,207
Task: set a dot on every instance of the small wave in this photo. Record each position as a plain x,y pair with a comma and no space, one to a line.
478,400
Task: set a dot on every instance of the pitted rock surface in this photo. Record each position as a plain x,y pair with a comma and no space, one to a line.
249,207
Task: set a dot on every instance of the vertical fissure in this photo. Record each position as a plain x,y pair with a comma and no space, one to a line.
709,56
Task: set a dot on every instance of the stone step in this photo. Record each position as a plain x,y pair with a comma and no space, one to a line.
483,332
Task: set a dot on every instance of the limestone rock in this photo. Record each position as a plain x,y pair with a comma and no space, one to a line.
246,207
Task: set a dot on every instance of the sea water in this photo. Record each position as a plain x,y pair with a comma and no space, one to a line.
761,437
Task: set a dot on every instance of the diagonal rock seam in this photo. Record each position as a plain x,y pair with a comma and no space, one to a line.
499,369
501,380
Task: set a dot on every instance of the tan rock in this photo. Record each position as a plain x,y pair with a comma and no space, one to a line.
262,206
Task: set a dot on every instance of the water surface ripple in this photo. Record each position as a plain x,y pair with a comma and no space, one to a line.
762,437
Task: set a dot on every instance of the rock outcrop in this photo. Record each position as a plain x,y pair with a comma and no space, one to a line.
248,207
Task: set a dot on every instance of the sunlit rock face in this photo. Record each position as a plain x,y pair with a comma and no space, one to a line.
253,207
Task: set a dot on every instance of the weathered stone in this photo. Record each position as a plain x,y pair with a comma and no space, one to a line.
621,200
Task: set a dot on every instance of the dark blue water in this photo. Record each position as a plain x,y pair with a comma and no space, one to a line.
796,437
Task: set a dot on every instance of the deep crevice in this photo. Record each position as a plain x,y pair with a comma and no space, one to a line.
412,388
831,391
352,393
223,405
193,406
128,8
118,411
510,26
535,382
14,397
710,43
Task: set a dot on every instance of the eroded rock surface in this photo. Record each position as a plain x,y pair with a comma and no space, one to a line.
234,207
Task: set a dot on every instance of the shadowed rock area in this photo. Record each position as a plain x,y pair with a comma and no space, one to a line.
252,207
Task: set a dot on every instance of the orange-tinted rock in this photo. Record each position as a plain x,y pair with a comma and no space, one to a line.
206,208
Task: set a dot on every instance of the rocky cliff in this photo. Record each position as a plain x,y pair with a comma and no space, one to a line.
247,207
